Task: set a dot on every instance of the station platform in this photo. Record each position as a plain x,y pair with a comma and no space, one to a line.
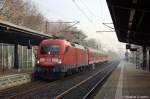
12,77
126,82
7,72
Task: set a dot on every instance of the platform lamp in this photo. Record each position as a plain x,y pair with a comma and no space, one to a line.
128,46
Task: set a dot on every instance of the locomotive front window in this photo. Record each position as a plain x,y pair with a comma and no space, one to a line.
50,49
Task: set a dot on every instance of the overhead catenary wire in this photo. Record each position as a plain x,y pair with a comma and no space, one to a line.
57,15
87,8
101,10
102,19
85,14
59,18
82,11
90,12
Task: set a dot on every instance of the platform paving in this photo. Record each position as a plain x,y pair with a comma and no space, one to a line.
12,77
126,82
7,72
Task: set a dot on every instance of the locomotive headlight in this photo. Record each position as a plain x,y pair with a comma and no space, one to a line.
42,60
37,61
57,60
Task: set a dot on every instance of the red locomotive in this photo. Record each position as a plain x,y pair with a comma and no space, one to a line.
57,57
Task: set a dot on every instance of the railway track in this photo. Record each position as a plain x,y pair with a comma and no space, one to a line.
28,88
19,90
41,90
85,88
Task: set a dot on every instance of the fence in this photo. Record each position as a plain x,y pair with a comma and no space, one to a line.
26,57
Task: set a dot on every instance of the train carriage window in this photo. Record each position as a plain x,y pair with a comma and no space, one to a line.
50,49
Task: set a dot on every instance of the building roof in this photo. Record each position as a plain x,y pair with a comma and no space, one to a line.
14,34
131,20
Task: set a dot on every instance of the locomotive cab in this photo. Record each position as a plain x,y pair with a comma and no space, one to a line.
49,57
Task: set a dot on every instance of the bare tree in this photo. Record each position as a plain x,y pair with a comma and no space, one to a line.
91,43
22,13
25,13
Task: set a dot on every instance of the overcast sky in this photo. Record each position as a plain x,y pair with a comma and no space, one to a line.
90,13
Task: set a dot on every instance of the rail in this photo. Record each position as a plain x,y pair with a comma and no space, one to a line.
100,77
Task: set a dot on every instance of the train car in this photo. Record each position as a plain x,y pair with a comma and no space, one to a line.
96,56
57,57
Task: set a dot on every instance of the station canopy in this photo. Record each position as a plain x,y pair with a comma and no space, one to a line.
14,34
131,20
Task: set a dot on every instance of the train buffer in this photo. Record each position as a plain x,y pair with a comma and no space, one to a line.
126,82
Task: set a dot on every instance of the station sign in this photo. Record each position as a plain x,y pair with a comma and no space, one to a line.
133,49
128,46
